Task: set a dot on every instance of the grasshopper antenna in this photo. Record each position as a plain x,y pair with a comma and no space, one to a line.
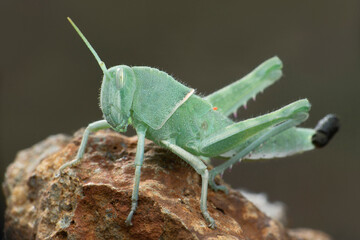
101,63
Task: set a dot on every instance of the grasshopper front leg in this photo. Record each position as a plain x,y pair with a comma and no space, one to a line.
92,127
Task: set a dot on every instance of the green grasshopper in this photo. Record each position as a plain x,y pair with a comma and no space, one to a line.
198,128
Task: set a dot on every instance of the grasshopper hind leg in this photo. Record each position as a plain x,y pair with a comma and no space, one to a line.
215,186
288,142
201,169
248,148
244,137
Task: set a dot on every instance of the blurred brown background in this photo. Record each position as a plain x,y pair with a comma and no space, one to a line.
50,82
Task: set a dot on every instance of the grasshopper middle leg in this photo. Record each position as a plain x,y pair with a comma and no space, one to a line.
139,158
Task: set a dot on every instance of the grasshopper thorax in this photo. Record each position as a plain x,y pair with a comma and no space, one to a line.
116,96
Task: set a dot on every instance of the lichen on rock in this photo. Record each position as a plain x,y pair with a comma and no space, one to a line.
92,200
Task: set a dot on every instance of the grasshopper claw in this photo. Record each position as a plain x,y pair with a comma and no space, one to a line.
212,225
68,164
128,222
57,174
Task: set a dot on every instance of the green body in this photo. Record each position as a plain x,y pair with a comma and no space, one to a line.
192,122
172,115
171,110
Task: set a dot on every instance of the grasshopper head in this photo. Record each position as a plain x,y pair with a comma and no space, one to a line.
117,92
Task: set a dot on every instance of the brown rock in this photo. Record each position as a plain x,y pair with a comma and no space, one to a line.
92,200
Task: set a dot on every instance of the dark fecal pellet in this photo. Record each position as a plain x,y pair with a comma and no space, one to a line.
325,130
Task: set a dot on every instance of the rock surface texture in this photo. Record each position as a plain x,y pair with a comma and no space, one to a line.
92,200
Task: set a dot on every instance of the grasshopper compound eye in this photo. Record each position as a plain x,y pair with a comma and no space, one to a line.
325,130
119,78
